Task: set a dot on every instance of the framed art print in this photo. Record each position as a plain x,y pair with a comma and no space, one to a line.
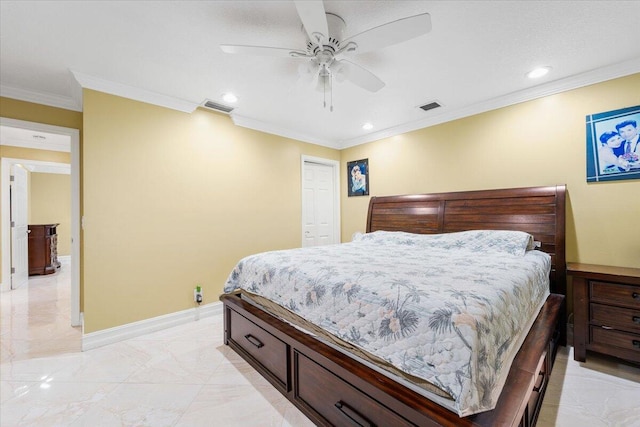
613,145
358,178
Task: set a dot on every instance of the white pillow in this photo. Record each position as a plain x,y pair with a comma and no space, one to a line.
509,242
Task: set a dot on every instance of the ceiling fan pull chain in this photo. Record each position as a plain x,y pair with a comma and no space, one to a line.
324,93
331,91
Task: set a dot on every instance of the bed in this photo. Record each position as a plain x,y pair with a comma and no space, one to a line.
334,387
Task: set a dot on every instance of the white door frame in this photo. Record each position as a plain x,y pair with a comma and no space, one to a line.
336,193
19,208
74,135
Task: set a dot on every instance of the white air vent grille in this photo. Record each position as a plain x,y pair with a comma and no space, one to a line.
430,106
217,107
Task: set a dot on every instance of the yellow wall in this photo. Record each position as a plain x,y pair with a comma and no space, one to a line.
172,200
50,203
30,112
540,142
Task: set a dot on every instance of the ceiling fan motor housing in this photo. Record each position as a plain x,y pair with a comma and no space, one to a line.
331,43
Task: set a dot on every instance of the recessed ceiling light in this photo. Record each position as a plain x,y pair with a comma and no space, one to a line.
367,126
229,97
538,72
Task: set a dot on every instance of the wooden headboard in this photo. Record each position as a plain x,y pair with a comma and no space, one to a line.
539,211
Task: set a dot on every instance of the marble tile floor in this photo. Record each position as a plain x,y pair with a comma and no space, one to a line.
185,376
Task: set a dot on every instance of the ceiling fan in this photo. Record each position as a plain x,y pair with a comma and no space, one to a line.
326,49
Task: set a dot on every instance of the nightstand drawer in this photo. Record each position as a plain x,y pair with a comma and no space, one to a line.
610,337
609,293
620,318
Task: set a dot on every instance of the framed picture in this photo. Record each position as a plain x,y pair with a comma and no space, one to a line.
613,145
358,178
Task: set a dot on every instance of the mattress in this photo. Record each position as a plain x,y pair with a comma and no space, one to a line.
446,312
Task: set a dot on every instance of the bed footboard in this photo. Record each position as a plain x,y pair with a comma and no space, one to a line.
332,389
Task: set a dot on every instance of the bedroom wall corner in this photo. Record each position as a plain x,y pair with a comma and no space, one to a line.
534,143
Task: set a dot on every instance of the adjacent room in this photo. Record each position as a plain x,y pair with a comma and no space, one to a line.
298,213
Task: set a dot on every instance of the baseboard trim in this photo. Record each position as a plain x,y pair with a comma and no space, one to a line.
131,330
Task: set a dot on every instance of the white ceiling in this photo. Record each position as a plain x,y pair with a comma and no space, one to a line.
167,52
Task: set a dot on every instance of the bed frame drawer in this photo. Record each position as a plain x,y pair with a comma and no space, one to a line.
268,354
337,402
538,390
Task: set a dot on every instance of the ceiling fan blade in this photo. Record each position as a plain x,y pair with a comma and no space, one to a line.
262,50
360,76
391,33
314,20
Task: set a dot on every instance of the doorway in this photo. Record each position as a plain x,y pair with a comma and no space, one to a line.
320,201
73,137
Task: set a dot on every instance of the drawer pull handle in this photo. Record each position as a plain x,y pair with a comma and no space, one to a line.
608,328
353,415
636,296
636,319
537,388
636,344
253,340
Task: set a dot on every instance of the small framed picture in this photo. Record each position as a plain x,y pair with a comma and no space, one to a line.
613,145
358,178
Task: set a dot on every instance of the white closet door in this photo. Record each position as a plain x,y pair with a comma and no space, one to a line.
318,205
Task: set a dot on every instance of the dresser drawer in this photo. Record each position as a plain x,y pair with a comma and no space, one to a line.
609,337
618,294
620,318
337,402
265,349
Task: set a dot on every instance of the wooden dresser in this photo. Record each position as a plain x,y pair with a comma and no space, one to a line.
606,310
43,249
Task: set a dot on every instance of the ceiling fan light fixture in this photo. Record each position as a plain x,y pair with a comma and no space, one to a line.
538,72
326,44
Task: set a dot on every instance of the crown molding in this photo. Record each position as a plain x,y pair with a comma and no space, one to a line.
131,92
569,83
49,99
81,80
277,130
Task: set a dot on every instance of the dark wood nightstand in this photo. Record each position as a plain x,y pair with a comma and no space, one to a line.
606,310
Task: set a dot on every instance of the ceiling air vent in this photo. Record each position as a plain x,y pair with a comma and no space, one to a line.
217,107
430,106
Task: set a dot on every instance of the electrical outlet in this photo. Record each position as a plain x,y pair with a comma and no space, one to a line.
197,295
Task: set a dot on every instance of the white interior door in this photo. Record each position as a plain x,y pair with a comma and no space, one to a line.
318,213
19,228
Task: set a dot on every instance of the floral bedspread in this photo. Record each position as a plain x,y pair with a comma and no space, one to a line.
452,309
